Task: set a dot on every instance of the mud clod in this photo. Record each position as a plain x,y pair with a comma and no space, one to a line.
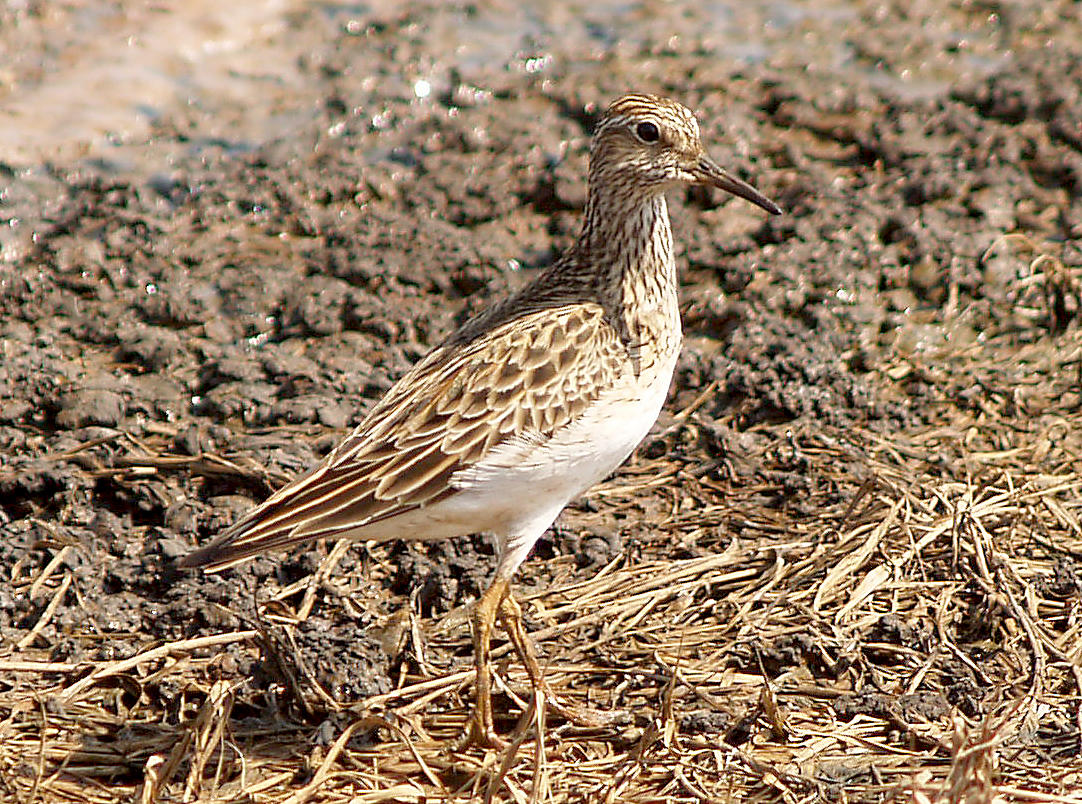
859,507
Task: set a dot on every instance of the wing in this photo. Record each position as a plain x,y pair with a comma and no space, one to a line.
529,376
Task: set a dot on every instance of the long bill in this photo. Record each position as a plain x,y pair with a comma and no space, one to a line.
710,172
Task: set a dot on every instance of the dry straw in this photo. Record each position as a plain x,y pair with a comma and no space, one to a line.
905,627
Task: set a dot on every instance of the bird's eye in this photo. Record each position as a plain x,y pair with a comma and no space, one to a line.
647,132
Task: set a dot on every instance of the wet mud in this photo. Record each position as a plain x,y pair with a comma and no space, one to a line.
179,337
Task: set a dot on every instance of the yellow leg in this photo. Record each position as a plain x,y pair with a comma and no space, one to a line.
481,730
511,617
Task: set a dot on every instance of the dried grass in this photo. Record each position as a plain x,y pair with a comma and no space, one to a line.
905,628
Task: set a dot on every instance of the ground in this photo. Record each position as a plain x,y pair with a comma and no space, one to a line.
846,564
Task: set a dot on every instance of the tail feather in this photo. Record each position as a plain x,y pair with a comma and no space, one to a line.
263,530
230,549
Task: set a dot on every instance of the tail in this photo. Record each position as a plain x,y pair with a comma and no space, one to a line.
282,520
339,497
236,545
324,503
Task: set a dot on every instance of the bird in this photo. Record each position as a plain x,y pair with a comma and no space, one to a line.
528,404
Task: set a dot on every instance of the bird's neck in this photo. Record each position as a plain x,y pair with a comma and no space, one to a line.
627,244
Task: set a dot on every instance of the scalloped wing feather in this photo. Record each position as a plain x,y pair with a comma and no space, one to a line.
526,378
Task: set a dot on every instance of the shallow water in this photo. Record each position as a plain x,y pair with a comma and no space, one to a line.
85,79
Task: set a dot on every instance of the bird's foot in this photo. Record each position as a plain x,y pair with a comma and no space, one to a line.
579,714
478,734
584,716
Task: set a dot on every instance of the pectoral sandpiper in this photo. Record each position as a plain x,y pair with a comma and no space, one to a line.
528,404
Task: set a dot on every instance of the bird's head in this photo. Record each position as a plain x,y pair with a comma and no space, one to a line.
645,143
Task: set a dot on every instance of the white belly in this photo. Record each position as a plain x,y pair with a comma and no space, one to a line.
520,487
527,482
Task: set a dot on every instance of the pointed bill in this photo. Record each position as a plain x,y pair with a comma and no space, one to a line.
709,172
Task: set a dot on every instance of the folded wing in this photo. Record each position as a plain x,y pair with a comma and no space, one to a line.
528,377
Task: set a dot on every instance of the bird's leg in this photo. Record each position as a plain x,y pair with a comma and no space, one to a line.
511,617
481,730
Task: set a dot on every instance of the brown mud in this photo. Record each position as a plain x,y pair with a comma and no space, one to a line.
188,320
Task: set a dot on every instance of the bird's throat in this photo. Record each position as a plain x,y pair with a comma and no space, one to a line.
631,247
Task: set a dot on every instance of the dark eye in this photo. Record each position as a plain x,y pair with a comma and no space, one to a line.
647,132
